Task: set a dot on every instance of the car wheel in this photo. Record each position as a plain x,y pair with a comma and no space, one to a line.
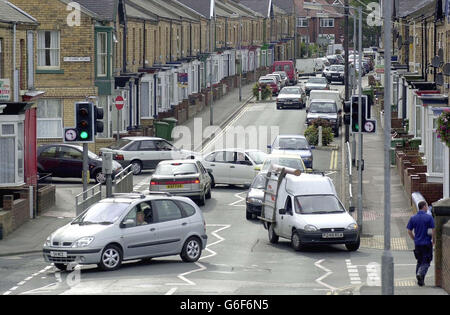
99,177
248,214
61,267
273,237
192,250
353,247
111,258
213,183
296,242
208,194
202,199
136,167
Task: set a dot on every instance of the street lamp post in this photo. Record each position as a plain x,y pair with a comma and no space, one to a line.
387,261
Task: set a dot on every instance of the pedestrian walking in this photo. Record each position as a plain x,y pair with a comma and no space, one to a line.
418,229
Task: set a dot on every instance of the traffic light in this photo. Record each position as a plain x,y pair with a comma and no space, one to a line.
347,113
98,117
84,122
355,112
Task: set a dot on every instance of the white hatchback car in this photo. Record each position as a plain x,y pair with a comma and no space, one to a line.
233,166
144,153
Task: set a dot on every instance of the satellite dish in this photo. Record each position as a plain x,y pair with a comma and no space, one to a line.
446,69
436,63
440,79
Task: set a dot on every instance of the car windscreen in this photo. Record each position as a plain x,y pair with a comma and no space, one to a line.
174,169
319,204
282,74
322,107
268,81
290,91
119,145
257,156
102,213
291,144
317,81
337,68
286,162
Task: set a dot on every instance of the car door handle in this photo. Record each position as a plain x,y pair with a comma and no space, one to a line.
232,166
213,164
152,230
184,223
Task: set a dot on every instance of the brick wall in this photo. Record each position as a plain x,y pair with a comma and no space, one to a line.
446,258
46,198
14,214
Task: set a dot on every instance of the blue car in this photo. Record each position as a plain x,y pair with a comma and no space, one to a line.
293,145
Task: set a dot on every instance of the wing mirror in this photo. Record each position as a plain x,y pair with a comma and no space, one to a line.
282,211
127,223
352,209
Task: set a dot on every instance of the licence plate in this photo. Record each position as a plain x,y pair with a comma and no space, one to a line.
59,254
177,186
333,235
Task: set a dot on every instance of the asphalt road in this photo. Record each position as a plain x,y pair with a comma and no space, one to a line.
238,260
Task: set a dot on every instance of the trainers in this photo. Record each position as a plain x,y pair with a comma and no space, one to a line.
420,280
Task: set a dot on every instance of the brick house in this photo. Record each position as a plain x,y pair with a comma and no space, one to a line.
420,94
319,26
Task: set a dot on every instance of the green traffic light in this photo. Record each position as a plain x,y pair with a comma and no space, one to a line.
84,135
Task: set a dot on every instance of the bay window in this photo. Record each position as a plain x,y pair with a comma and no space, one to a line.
11,152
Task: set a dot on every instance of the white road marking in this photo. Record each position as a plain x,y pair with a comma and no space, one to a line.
182,276
171,291
327,274
241,199
353,273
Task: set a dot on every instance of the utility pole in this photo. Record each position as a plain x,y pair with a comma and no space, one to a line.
240,58
211,49
346,79
387,260
360,131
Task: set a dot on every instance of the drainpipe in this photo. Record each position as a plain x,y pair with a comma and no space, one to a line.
124,48
15,83
170,41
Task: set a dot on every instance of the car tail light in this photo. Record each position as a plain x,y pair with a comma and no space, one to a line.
152,183
119,157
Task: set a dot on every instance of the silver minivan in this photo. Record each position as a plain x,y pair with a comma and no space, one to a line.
129,227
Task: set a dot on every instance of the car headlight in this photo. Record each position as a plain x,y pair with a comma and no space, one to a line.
311,228
83,242
352,227
48,241
255,201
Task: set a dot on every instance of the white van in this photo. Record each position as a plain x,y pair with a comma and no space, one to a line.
306,210
326,95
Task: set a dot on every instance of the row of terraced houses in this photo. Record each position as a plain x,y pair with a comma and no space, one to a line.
161,56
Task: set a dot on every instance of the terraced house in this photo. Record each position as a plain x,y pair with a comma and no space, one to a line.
164,57
421,81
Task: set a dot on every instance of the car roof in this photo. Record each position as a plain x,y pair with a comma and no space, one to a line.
322,101
286,156
141,138
79,147
190,161
309,184
291,136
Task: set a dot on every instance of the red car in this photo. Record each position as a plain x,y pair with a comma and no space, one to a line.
271,81
288,67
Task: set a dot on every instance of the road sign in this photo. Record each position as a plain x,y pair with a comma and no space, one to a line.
119,102
370,126
70,135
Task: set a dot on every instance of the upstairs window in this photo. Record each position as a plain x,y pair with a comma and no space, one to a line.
48,49
102,54
326,22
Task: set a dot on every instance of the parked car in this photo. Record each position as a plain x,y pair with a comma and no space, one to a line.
129,227
292,96
284,78
277,78
293,145
336,74
271,82
327,110
287,66
308,212
182,178
233,166
316,84
66,161
144,153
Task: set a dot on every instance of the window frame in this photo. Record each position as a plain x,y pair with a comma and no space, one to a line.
39,49
102,55
60,119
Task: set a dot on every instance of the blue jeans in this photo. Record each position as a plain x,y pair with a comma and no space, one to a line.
424,256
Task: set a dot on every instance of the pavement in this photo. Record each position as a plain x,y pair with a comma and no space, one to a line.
31,236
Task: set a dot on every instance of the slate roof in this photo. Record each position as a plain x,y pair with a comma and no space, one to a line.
11,13
261,6
104,9
407,7
203,7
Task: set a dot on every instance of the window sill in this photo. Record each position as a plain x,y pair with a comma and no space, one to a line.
49,71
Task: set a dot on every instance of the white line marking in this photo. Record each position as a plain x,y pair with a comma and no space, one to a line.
328,273
7,293
236,203
171,291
